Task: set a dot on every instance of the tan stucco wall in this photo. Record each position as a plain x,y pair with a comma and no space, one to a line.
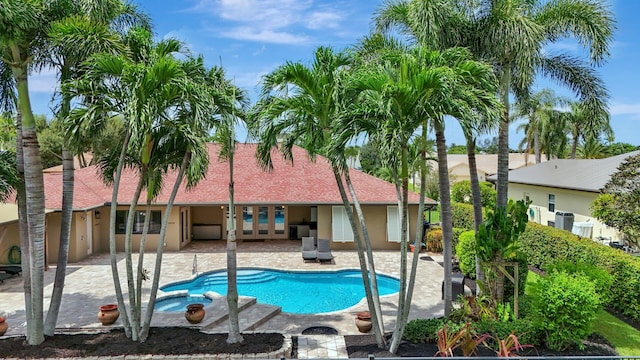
9,236
460,172
172,238
576,202
376,221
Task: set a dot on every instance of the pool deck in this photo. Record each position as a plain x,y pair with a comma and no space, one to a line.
89,284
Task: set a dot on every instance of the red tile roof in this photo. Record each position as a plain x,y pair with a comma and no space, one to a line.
303,182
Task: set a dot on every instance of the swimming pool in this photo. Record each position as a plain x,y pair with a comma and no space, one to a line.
308,292
180,302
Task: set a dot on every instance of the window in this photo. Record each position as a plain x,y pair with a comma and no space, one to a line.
279,219
393,224
552,203
138,222
340,226
526,197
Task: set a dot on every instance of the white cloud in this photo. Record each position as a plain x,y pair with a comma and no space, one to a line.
323,19
269,21
625,109
264,35
46,81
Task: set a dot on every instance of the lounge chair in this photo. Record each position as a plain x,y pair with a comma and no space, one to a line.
308,248
324,250
4,276
11,269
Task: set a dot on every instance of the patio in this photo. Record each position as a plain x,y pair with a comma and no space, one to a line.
89,284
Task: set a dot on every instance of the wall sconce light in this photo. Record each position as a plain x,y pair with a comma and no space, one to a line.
96,214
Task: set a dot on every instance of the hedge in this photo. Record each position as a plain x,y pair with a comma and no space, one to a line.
462,215
544,245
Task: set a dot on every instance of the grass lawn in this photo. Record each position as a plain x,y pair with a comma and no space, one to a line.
621,335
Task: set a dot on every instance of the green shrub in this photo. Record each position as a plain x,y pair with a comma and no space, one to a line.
600,277
456,238
527,331
423,330
566,308
462,215
461,192
433,240
466,252
545,245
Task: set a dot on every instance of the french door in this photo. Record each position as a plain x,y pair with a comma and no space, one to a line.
263,222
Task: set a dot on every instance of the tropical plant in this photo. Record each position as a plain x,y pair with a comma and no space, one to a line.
507,347
497,239
168,118
22,29
299,104
461,192
511,35
9,180
617,206
225,136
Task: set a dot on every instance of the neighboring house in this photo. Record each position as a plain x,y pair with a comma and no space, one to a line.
10,233
566,186
486,164
293,200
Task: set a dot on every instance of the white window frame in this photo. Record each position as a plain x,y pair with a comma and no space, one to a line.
394,228
551,202
340,227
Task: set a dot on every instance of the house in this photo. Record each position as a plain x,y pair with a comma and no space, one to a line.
486,164
294,200
562,186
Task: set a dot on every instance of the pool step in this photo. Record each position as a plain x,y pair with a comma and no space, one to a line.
221,313
243,278
249,318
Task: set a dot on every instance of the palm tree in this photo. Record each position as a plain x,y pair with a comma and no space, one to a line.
167,114
225,136
586,127
408,91
86,30
22,26
537,109
298,103
511,35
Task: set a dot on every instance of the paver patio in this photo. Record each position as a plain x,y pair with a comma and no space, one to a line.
89,284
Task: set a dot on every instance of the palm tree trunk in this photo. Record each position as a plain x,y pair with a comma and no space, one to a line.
417,242
112,237
144,332
445,216
143,239
367,244
135,314
536,146
477,201
502,184
574,145
402,295
63,248
34,189
361,257
23,226
65,218
232,264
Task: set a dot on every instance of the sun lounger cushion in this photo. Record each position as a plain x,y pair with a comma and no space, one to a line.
308,248
324,250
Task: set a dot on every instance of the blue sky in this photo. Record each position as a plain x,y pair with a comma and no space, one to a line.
252,37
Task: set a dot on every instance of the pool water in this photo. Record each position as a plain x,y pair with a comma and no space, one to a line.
179,303
295,292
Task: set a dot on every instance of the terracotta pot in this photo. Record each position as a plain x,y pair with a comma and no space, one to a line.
108,314
3,325
195,313
363,321
412,248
